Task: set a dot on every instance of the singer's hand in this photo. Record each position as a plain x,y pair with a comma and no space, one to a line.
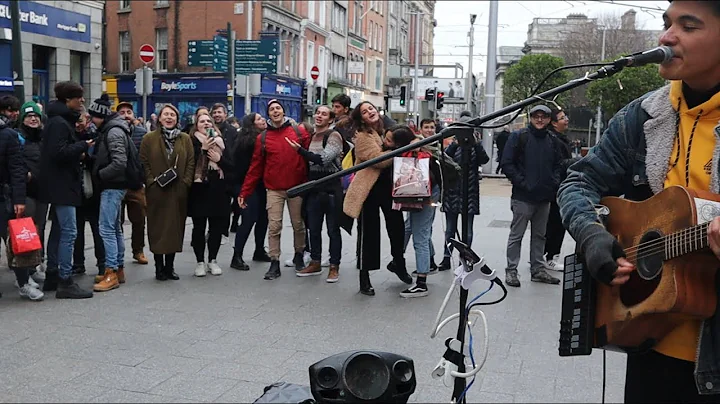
241,202
295,145
714,236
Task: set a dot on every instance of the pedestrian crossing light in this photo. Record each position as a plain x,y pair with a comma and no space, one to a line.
439,98
318,95
403,95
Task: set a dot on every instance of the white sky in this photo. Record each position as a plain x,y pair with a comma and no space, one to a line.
453,24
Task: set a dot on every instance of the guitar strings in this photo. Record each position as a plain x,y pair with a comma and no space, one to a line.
672,242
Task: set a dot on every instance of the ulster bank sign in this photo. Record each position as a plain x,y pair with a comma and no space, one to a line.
40,19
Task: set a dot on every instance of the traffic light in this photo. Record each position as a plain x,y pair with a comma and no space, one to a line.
305,95
403,95
318,95
439,100
429,94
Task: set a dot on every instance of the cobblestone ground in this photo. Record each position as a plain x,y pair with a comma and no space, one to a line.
222,339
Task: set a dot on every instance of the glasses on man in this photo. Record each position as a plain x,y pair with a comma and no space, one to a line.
32,116
539,117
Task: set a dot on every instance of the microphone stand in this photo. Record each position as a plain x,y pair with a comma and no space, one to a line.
464,133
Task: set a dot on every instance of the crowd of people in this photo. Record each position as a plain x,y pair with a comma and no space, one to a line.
74,166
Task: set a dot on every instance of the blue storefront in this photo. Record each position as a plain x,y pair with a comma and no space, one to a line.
188,92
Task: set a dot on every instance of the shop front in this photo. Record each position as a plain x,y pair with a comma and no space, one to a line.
286,90
60,41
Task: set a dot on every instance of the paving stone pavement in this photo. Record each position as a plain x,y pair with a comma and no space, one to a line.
222,339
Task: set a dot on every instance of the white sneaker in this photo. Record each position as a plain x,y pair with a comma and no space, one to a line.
29,292
200,269
39,274
325,263
306,259
289,263
31,282
554,264
214,268
224,240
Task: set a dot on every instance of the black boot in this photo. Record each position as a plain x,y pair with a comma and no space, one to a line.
238,263
261,256
445,264
400,271
365,285
51,280
68,289
299,262
274,271
160,271
170,270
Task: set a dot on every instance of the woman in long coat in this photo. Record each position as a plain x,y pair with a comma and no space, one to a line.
165,148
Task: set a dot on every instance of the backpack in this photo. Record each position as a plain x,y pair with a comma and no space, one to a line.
263,135
134,173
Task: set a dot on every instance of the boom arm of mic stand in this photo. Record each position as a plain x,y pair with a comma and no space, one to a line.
451,130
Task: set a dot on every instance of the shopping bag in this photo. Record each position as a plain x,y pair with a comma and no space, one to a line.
411,178
23,235
27,260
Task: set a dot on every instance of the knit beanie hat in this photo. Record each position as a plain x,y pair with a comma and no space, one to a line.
29,107
271,102
100,108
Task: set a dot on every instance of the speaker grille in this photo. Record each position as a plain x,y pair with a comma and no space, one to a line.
366,376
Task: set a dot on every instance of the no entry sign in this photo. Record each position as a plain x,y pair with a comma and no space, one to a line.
147,53
314,72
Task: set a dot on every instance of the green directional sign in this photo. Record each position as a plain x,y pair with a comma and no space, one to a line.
200,53
256,56
220,56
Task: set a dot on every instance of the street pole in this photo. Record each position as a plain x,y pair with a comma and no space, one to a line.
468,86
417,65
231,67
17,63
598,119
248,99
490,80
145,91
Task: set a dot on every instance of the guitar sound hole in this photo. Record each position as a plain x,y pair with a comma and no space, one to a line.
650,256
645,279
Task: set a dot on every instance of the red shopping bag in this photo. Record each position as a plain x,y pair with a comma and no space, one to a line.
23,235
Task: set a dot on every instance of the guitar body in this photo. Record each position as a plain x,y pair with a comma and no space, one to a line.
661,293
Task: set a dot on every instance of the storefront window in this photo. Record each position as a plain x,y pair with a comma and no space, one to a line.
76,67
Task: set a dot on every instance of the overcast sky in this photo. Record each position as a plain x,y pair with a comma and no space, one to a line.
453,24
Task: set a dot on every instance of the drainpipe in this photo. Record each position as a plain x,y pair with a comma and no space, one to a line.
176,34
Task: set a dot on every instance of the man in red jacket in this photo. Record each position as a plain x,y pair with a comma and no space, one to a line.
280,168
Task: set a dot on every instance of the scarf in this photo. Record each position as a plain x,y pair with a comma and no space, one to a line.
204,164
169,137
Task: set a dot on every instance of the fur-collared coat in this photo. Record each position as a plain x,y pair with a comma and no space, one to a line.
368,145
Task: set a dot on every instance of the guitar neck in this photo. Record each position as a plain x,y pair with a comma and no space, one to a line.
685,241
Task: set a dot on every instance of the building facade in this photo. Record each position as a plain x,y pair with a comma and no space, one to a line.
61,40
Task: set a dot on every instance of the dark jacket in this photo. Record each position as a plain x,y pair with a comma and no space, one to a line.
212,198
501,140
13,171
452,200
242,156
565,150
229,134
138,132
111,154
61,180
631,159
533,168
31,155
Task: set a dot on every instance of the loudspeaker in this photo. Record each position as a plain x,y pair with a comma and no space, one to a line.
363,377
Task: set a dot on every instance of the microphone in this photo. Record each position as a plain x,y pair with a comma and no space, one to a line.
661,54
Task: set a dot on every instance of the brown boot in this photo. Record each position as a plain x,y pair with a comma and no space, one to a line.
121,275
333,274
140,259
109,281
99,278
313,268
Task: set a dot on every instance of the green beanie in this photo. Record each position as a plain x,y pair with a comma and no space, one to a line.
29,107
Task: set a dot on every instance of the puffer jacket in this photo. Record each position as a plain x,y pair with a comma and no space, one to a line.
32,150
111,154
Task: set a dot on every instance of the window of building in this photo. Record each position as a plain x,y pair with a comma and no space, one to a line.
339,18
358,22
378,74
337,70
391,7
124,4
311,10
380,38
323,14
361,77
161,48
76,67
392,39
162,3
124,47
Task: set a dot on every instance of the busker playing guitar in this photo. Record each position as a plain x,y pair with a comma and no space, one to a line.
665,138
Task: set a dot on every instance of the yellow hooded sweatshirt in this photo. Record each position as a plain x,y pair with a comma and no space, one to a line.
691,170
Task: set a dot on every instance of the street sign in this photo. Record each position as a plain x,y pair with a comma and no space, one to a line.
220,53
314,72
256,56
147,53
200,53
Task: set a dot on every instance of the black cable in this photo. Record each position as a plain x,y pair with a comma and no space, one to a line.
535,91
604,374
505,294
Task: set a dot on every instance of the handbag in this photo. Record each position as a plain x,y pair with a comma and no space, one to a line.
23,235
168,176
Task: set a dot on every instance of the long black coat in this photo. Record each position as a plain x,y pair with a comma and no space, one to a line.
61,179
452,198
212,198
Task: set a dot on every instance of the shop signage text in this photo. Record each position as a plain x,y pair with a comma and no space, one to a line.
40,19
178,86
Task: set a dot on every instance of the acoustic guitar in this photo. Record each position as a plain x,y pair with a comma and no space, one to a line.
665,237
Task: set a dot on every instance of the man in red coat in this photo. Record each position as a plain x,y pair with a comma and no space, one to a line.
280,167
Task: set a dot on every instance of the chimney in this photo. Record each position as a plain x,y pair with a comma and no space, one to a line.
628,20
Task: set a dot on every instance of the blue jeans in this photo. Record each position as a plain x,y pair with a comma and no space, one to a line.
61,241
421,228
452,228
321,205
408,232
254,215
111,227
